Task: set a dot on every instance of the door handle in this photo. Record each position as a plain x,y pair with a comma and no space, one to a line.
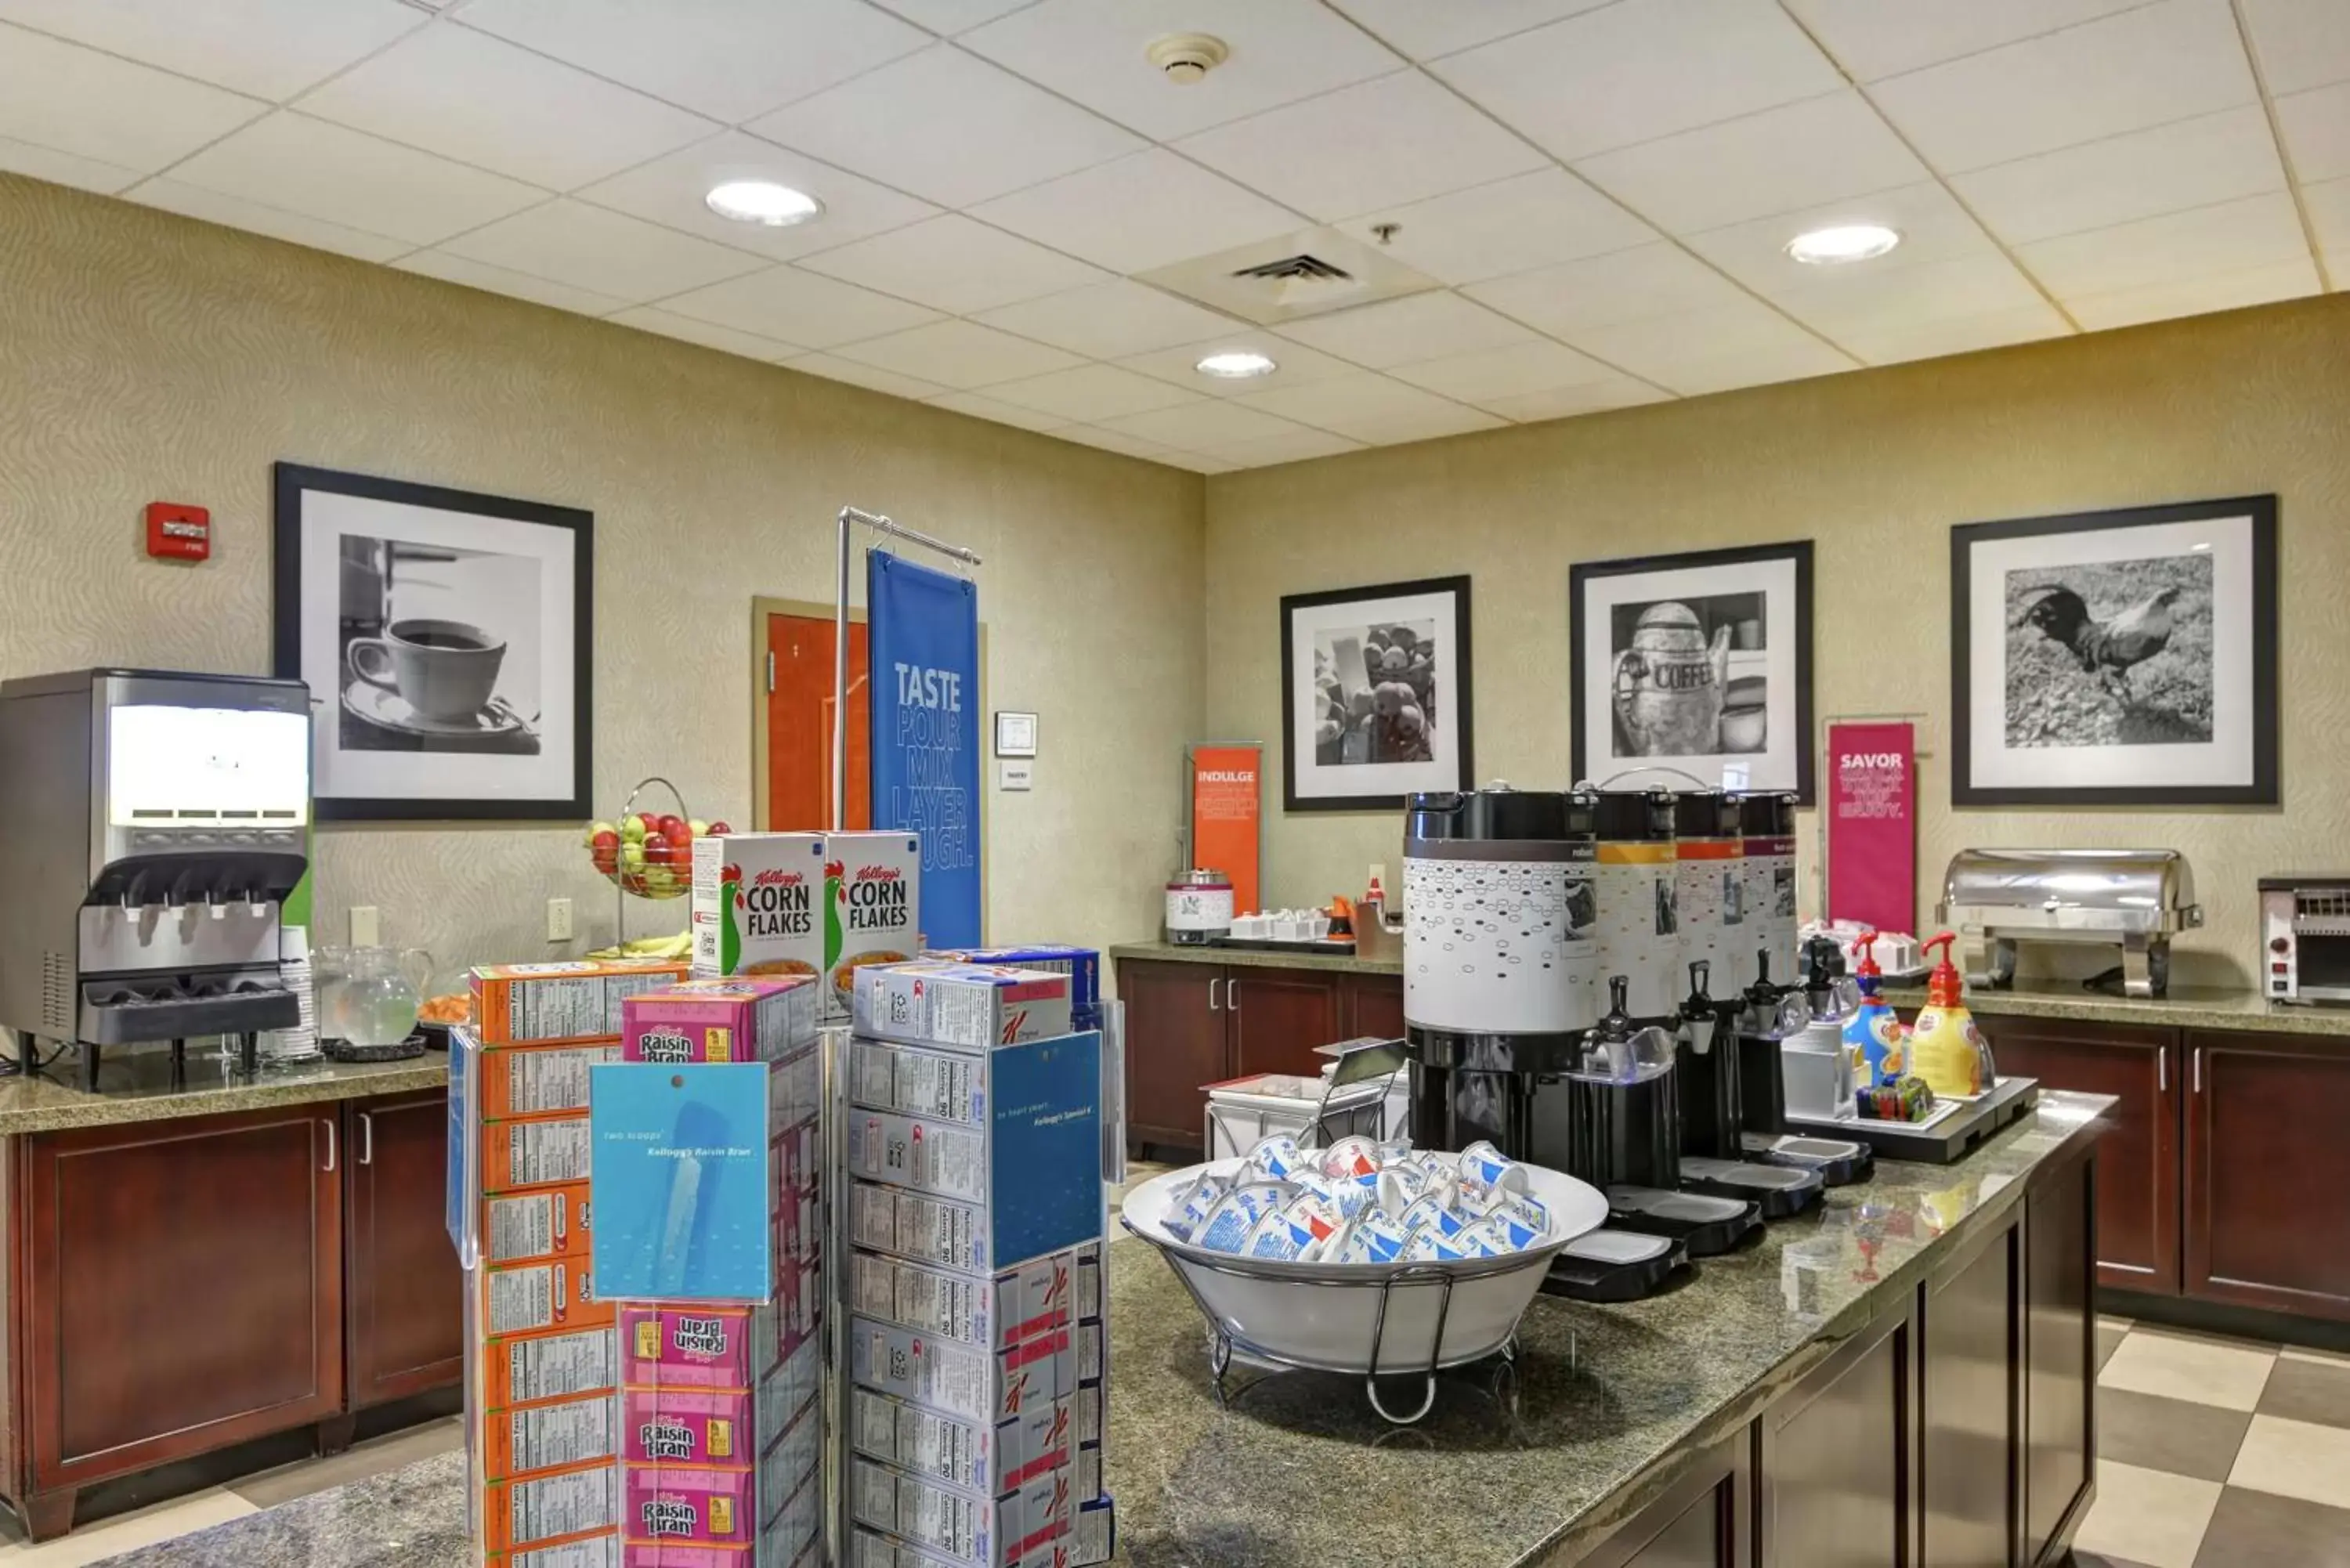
1233,995
2197,1069
1212,994
330,1141
2162,1070
367,1138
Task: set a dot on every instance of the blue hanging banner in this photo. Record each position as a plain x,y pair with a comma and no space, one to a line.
922,629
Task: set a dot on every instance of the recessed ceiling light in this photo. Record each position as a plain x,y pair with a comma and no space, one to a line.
1236,365
1842,243
761,201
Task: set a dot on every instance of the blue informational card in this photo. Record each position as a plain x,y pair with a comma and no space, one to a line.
682,1185
461,1138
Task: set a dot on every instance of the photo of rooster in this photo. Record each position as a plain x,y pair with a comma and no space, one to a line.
2110,653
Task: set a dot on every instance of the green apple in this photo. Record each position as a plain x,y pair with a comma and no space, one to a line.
632,855
594,829
698,827
632,829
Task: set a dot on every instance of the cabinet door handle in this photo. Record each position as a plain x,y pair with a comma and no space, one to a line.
1233,995
2197,1069
2162,1069
367,1138
1211,997
330,1141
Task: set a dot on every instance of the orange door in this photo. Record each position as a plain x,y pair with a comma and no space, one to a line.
799,725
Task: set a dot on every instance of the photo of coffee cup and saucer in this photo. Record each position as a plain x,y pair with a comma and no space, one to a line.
440,649
435,678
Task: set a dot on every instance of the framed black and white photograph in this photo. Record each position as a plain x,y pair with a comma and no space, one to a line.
1694,667
2122,658
446,637
1375,694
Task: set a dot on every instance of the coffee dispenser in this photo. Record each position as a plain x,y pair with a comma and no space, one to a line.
1710,887
1638,924
157,820
1766,824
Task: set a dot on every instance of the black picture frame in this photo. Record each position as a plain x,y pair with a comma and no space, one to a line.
2263,787
290,482
1583,576
1460,703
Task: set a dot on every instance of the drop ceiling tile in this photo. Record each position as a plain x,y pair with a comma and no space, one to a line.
94,106
1282,51
1599,291
951,17
2316,128
2192,164
2328,206
1398,331
1539,366
1511,225
960,355
1118,442
1377,144
832,367
237,212
1960,334
478,100
799,307
1091,392
1799,155
2292,279
671,191
1202,426
318,170
1760,367
1293,363
2300,43
954,264
608,252
980,406
1371,408
2127,72
1427,32
1565,402
1842,301
1139,213
473,273
686,329
1878,38
216,41
64,168
1107,320
1643,70
1932,225
1653,346
1001,134
2178,248
719,57
1300,445
1201,462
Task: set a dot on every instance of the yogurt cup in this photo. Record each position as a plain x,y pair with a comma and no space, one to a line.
1374,1237
1189,1212
1499,1232
1238,1212
1275,1158
1430,1212
1350,1157
1483,1166
1522,1208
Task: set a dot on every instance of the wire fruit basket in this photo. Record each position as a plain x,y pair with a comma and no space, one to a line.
647,852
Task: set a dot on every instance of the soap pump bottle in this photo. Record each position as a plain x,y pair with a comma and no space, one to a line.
1873,1035
1945,1047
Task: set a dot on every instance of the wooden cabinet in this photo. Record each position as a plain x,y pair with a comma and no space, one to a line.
2268,1162
1968,1483
1696,1523
2059,1331
404,1296
2138,1243
1834,1466
181,1289
1274,1018
1371,1004
1190,1023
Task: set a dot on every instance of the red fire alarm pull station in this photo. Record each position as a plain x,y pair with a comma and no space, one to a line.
177,532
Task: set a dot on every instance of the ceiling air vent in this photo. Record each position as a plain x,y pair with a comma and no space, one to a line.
1294,275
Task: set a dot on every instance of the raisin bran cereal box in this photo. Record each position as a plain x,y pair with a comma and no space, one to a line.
683,1504
807,904
729,1018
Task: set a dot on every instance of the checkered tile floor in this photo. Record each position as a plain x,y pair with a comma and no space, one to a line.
2217,1453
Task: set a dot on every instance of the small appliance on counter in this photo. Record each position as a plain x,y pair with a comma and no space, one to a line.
1783,1031
2134,899
1895,953
2306,929
157,823
1199,906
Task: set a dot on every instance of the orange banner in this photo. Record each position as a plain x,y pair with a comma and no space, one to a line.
1227,797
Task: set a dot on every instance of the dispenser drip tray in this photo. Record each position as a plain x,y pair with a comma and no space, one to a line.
1779,1190
1608,1266
1839,1161
1707,1226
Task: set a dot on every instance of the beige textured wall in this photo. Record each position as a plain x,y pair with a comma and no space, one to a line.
1875,466
144,357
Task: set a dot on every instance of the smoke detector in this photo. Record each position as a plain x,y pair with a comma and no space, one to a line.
1186,58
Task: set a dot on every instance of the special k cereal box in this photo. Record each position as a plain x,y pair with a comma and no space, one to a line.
974,1007
547,1003
729,1018
806,903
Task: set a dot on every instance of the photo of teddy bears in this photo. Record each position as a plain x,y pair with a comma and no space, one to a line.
1378,689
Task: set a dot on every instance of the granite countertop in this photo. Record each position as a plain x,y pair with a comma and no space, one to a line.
1261,958
134,1085
2186,1007
1605,1405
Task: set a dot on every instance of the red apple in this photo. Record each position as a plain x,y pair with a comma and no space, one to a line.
680,835
668,825
650,824
719,830
660,852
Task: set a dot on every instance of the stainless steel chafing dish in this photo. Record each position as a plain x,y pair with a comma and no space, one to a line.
2134,899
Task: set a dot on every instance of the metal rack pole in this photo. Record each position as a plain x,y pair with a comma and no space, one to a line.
879,524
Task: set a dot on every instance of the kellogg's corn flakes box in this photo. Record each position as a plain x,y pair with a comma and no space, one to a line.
820,904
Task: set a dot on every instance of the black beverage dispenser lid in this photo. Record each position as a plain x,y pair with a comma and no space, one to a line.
1708,814
1498,811
1766,813
1634,813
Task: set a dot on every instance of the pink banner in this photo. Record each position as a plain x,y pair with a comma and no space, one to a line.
1872,809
